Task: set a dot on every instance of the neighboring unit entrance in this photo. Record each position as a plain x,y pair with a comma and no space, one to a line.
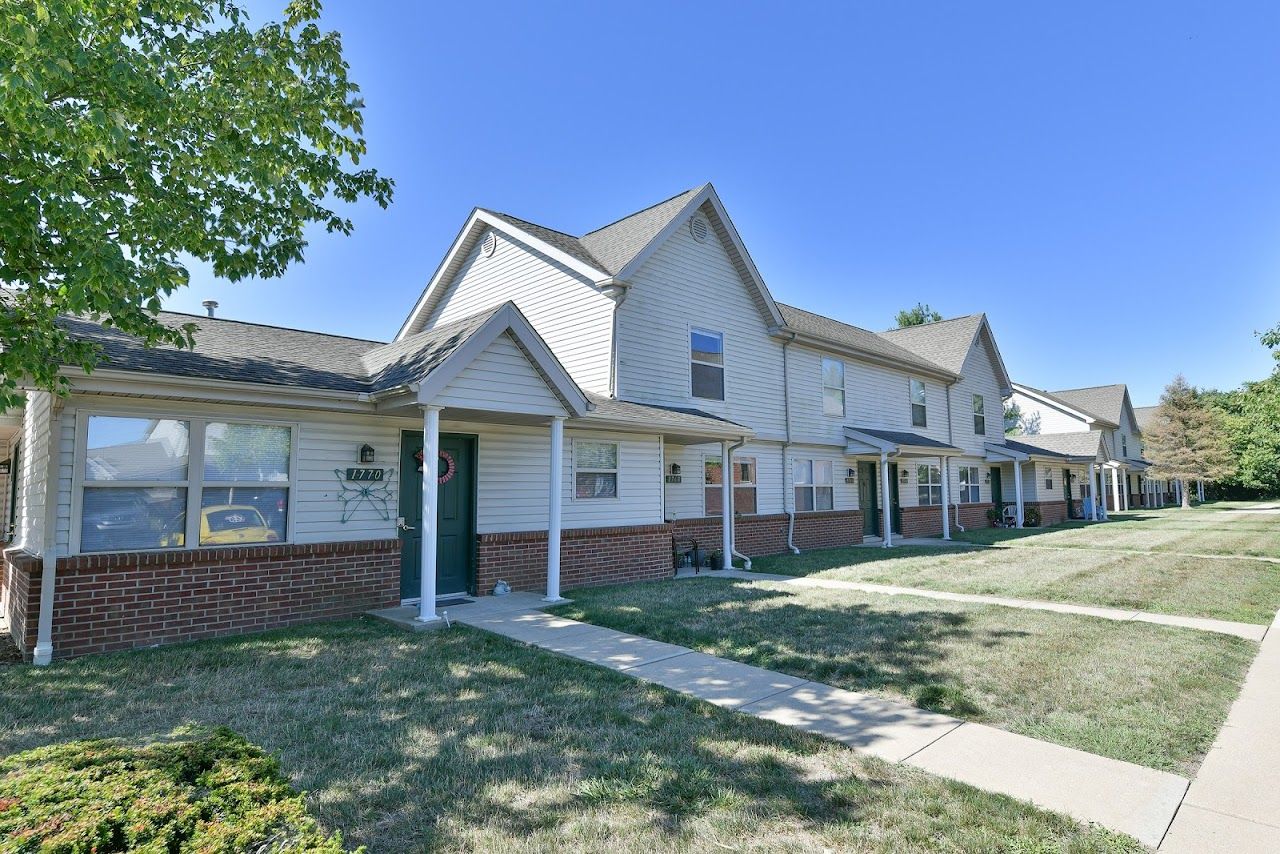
895,505
869,497
997,492
455,470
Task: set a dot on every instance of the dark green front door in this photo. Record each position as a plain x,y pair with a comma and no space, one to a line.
455,471
869,495
894,503
997,492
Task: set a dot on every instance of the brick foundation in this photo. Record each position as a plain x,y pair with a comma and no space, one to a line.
756,536
922,521
105,602
1051,512
588,557
21,595
971,515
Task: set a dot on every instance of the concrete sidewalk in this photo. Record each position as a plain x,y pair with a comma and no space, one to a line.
1234,802
1121,796
1248,631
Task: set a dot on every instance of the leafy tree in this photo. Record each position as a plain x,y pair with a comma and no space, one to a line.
1186,439
917,316
1252,417
1017,423
136,135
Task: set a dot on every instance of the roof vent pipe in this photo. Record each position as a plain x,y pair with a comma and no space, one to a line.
210,305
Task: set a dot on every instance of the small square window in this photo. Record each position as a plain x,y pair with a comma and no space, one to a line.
929,485
595,469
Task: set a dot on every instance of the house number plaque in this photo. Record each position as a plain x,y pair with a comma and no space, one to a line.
366,475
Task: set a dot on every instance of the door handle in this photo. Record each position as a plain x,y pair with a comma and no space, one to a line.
401,524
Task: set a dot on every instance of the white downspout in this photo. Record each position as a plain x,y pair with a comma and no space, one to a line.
946,474
786,446
726,472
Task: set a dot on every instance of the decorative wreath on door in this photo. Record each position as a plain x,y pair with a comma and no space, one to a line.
450,465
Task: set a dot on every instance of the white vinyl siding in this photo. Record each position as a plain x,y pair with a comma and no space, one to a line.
978,381
1052,419
565,308
686,284
501,379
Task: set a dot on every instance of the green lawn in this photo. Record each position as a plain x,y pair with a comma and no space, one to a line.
1242,590
1202,530
1148,694
455,740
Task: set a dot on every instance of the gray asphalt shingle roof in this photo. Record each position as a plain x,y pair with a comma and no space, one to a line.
1083,444
566,243
848,335
945,342
619,242
1025,448
901,437
1104,401
1144,414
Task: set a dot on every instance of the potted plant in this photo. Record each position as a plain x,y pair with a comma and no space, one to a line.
1031,517
717,559
993,516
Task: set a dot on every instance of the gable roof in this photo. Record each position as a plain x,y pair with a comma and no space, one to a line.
1054,400
948,342
613,252
1108,402
864,342
1085,444
1142,415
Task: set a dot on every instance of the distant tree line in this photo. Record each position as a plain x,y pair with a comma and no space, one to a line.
1250,418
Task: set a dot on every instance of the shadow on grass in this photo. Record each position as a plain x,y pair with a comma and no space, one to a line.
850,645
451,739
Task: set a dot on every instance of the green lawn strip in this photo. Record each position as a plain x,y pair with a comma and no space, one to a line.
1189,532
457,740
1246,591
1147,694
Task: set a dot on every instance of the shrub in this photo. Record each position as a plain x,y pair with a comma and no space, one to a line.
199,790
1031,517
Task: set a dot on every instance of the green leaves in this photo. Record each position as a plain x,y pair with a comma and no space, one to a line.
134,136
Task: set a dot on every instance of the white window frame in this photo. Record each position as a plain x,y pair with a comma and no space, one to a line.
970,491
826,360
754,484
912,382
979,411
931,483
724,360
812,485
194,484
616,471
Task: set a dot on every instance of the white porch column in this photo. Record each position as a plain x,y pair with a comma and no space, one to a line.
946,497
554,496
1017,493
1181,486
1093,488
430,494
1124,491
1115,489
886,508
1200,490
726,500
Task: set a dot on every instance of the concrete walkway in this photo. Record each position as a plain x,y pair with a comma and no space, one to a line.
1249,631
1118,795
1234,802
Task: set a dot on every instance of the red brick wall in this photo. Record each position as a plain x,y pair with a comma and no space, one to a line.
1051,512
588,557
922,521
971,515
21,594
756,536
116,601
828,529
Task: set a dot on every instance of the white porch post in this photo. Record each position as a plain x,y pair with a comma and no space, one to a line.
430,493
1017,492
1181,486
554,497
726,500
1124,491
946,498
1093,488
1115,489
886,508
1200,490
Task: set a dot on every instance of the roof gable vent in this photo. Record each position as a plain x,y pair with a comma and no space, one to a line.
699,229
489,245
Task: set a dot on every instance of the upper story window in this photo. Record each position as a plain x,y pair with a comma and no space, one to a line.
141,476
595,469
814,484
744,485
970,492
706,364
979,415
919,415
1124,445
833,387
929,483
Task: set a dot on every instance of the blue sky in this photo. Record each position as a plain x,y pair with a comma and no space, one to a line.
1102,179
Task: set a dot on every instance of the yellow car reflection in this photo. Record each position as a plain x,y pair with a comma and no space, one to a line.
228,524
